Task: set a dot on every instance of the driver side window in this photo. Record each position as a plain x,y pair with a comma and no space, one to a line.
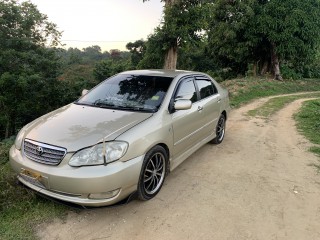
187,90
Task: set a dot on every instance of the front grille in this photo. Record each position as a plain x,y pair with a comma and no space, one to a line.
43,153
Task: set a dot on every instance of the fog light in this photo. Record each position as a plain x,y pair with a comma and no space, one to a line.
104,195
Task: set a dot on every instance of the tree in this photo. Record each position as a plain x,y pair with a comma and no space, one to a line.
92,53
119,62
137,50
264,33
28,68
183,22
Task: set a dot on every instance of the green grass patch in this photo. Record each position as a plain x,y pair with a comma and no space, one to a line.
308,120
245,90
21,210
308,123
275,104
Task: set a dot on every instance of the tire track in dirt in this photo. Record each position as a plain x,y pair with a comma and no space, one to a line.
256,185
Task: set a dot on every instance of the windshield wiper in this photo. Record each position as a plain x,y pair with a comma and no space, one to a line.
102,104
136,108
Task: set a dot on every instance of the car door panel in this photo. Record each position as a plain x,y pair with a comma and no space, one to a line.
211,112
185,123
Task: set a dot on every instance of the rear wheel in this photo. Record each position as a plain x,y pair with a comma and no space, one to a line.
153,173
220,130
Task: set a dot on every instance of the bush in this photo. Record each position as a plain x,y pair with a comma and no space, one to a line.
4,149
290,73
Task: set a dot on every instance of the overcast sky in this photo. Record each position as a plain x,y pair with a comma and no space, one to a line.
108,23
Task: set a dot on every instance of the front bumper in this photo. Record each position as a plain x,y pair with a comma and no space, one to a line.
78,184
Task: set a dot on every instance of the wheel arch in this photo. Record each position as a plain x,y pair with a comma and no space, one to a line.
224,113
166,148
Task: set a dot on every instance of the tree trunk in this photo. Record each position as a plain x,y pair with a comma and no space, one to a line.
254,70
275,63
264,68
171,56
170,61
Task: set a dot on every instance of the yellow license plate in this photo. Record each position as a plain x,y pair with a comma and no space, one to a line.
31,174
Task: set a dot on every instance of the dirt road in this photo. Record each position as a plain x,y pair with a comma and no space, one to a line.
258,184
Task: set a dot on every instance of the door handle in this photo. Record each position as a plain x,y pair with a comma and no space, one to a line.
200,108
219,100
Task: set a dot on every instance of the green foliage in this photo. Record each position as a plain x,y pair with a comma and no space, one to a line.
273,105
246,89
308,120
293,25
308,123
75,78
137,50
83,69
153,57
244,32
86,56
228,40
289,72
22,26
183,24
28,85
4,150
108,68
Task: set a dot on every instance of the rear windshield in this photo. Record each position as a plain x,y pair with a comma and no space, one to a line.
129,92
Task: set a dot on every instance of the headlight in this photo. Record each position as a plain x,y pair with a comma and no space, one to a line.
95,155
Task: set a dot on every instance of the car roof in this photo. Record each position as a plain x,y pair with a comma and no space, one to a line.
158,72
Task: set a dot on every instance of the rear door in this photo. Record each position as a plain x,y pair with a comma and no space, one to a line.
210,102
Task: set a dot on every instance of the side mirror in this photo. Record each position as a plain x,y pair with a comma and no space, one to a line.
84,92
182,104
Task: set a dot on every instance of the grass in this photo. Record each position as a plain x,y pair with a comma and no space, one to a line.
245,90
21,210
308,123
275,104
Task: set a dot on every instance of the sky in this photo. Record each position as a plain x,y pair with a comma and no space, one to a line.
111,24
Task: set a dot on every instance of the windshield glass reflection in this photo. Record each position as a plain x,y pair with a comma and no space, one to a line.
129,92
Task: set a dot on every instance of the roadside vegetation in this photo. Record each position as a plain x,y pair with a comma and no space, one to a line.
308,123
275,104
244,90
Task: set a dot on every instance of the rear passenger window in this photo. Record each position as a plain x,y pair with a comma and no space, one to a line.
206,87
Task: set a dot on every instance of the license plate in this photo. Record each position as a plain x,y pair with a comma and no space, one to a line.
33,178
36,176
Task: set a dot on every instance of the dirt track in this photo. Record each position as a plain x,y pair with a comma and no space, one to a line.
256,185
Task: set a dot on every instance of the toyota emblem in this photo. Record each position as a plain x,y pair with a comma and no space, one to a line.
39,150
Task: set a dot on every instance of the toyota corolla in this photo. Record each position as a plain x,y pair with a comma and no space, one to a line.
121,137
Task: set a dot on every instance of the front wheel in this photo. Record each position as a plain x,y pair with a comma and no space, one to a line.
153,173
220,130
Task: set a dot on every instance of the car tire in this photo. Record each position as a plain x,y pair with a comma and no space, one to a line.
220,130
153,173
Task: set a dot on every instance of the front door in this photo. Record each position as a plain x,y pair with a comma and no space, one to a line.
187,124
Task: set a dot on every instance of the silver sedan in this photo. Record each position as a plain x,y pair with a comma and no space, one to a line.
122,137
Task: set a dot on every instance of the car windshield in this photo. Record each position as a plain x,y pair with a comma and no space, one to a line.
129,92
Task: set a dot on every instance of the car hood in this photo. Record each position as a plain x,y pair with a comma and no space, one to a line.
76,126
